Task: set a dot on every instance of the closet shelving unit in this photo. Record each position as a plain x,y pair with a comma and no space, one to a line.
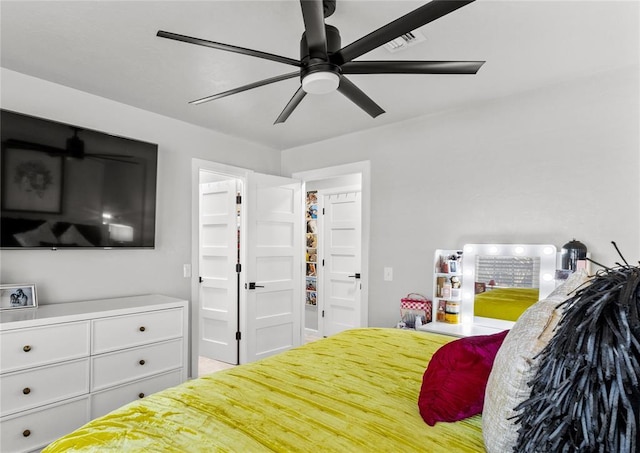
311,253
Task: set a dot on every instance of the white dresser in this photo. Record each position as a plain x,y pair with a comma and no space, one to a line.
62,365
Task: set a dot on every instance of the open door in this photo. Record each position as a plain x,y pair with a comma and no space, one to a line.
218,289
342,269
273,283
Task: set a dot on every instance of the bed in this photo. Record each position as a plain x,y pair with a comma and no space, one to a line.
355,391
504,303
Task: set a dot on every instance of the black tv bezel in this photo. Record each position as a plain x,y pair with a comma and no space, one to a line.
61,247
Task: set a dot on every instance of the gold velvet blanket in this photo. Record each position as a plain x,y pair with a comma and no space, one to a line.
354,392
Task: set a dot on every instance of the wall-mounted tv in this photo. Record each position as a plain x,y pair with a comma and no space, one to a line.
64,186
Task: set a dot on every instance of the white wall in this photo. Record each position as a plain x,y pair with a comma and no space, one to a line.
70,275
542,167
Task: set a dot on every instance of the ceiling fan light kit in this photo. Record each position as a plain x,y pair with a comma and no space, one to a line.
323,62
322,82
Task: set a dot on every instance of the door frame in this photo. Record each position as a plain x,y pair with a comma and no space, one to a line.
231,172
364,169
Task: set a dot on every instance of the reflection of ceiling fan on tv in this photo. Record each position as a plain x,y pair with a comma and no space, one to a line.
74,149
324,63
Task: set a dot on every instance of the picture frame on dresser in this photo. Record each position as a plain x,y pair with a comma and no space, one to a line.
17,296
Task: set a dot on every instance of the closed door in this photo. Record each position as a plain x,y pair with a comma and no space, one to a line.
341,227
273,278
218,275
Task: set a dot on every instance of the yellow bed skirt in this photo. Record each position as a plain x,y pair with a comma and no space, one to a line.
356,391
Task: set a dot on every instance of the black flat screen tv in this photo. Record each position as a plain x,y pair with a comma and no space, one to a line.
65,186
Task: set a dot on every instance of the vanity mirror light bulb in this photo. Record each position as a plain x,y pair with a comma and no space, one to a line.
547,277
468,249
519,250
548,250
493,249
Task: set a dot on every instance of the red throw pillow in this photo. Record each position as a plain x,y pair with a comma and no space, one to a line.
454,382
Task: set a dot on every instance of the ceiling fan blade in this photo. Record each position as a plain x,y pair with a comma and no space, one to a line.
313,15
104,157
291,105
411,67
34,146
246,87
357,96
228,48
409,22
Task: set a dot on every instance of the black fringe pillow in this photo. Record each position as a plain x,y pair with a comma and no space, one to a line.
586,394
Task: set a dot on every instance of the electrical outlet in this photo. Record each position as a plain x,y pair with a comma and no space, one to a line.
186,270
388,274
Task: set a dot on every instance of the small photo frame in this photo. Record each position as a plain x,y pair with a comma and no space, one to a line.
18,296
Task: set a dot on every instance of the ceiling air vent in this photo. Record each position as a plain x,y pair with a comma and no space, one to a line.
407,40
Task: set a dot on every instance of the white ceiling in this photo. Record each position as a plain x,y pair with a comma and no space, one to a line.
110,48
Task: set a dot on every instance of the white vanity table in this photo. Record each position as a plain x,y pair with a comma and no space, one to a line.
479,326
62,365
541,276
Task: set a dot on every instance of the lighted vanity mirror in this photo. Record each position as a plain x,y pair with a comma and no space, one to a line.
500,281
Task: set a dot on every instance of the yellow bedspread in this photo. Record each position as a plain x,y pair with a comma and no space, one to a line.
504,303
354,392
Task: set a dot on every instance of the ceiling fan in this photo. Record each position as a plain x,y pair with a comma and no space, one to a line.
324,63
74,149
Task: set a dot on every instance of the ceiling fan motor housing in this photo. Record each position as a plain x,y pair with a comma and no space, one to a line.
319,76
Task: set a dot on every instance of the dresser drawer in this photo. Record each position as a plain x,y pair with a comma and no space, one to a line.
44,385
26,348
110,334
104,402
38,428
123,366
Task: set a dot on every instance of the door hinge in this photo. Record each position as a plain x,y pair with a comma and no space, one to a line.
238,199
322,211
323,313
238,268
200,279
322,263
238,336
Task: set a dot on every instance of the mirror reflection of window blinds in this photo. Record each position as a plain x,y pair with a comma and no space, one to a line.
509,271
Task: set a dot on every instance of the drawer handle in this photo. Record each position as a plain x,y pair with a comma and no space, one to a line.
26,433
27,348
140,395
26,390
141,362
142,329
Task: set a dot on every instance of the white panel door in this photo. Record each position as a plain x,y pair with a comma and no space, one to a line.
219,280
341,301
274,261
